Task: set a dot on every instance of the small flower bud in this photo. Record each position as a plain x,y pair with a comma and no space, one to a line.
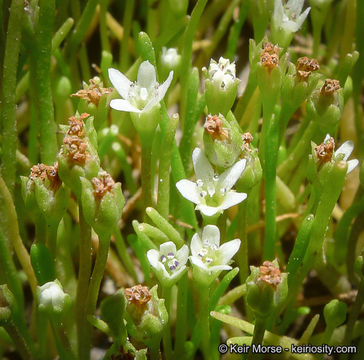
52,299
170,60
221,86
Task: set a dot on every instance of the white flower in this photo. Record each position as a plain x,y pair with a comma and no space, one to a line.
208,257
211,192
168,263
142,95
222,72
343,153
288,17
51,297
170,57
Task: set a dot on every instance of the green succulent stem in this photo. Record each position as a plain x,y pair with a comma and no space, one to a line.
258,335
204,318
167,336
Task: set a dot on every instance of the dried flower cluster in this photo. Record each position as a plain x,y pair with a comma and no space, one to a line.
214,127
43,172
305,67
138,295
330,87
270,274
102,184
269,57
247,139
325,150
93,92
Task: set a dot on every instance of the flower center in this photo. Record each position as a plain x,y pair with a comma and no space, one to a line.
211,194
208,253
170,262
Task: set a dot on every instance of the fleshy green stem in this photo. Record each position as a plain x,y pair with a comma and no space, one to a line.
258,336
204,317
167,338
8,118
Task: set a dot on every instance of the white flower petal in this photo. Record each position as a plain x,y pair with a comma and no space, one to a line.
229,177
219,268
153,257
203,168
211,233
327,138
189,190
278,11
195,260
120,82
301,19
196,245
168,247
162,89
295,6
208,210
228,250
182,255
346,148
123,105
146,75
232,198
352,164
152,102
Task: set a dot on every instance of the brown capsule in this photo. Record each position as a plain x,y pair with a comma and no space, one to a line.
325,151
138,295
93,92
102,184
214,127
330,87
269,274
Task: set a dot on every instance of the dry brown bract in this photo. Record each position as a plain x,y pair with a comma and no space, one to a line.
213,126
269,57
269,274
138,295
102,184
305,66
330,87
92,92
325,150
76,125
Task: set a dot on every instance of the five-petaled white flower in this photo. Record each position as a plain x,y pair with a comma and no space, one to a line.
222,72
140,96
170,57
343,153
288,17
211,192
168,263
208,257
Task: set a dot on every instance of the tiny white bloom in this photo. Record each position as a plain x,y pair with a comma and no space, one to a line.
211,192
208,257
51,297
222,73
168,263
142,95
288,17
170,57
343,153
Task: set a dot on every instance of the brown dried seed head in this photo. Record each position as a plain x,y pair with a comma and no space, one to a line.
270,48
138,295
269,274
305,66
325,151
269,61
43,172
213,126
247,139
330,87
38,171
92,92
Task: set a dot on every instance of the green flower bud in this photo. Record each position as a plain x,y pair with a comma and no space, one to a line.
63,89
112,312
178,7
253,170
222,141
78,155
146,314
266,288
359,266
335,313
52,299
221,86
169,60
102,202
